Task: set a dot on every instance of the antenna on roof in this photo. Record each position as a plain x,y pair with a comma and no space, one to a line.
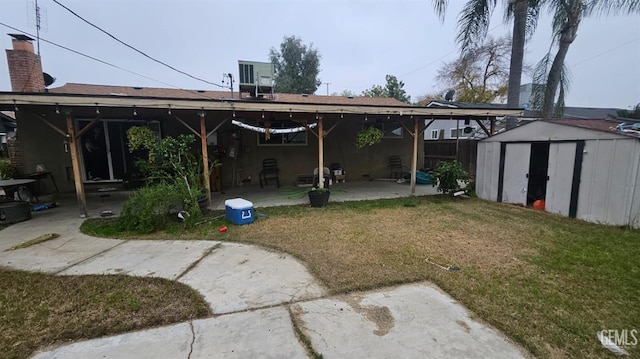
39,17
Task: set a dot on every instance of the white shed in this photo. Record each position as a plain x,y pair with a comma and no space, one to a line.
582,169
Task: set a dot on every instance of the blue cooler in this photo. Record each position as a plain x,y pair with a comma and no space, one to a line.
239,211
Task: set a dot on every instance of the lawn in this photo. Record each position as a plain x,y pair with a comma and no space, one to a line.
38,310
548,282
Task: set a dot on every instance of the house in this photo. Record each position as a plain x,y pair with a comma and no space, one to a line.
78,131
586,169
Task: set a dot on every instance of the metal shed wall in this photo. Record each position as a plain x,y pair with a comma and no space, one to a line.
609,180
609,188
487,169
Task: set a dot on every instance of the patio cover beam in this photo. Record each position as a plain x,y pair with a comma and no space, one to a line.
73,149
10,99
205,157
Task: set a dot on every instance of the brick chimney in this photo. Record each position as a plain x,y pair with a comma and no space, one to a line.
25,68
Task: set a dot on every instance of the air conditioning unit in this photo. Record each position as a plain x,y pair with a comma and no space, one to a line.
256,77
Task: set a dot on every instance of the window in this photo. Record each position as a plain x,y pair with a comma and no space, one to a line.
283,139
389,129
434,134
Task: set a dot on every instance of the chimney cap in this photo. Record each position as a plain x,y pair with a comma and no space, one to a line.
21,37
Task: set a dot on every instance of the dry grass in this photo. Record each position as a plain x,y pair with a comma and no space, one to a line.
39,310
548,282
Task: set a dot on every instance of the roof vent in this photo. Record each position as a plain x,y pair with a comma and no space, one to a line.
201,91
350,97
137,88
305,95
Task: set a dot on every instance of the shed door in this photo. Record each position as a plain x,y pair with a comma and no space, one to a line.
516,168
561,162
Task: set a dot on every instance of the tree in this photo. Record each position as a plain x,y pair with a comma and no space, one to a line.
473,25
479,75
393,89
554,75
345,93
296,66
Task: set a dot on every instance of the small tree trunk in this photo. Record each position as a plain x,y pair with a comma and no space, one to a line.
517,56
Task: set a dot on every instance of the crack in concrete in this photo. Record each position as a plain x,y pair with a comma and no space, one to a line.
193,339
90,257
300,332
194,264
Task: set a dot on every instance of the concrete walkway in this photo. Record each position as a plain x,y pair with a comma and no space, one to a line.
257,296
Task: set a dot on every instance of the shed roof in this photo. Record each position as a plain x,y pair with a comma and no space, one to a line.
563,130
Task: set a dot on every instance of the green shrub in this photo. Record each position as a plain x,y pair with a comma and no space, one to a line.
369,136
7,169
448,176
149,208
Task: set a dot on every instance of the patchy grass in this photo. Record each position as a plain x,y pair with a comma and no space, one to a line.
33,242
39,310
548,282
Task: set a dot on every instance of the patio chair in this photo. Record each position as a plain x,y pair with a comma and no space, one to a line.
326,174
396,170
269,170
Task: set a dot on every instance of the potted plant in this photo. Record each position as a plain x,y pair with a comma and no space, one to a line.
369,136
318,197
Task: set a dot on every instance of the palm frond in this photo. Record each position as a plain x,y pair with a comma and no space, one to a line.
440,7
540,74
613,7
473,22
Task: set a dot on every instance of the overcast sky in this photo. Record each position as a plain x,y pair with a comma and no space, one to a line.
360,42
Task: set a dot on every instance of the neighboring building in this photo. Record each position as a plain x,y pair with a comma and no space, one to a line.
586,169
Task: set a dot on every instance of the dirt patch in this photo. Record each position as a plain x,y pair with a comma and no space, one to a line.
379,315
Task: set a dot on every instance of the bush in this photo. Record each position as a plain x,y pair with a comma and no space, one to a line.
148,209
7,169
448,176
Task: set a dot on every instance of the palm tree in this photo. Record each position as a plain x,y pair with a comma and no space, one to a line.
567,15
473,25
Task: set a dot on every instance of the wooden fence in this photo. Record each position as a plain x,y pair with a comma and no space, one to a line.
445,150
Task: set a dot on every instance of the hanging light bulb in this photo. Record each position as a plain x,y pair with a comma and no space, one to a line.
15,106
365,117
290,114
233,114
135,113
169,110
97,109
262,114
341,114
57,109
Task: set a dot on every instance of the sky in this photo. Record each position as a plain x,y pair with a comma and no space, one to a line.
360,42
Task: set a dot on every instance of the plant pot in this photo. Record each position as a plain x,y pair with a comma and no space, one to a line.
319,198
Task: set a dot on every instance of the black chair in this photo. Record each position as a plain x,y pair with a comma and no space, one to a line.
269,170
396,170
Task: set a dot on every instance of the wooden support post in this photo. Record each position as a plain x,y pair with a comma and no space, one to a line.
205,157
414,158
493,126
320,153
77,177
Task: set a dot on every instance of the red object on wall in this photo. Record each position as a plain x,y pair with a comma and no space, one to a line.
539,204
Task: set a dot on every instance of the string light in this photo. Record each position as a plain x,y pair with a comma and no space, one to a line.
169,110
15,106
57,109
233,114
97,109
135,113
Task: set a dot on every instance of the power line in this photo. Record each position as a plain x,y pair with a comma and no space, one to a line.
107,63
135,49
605,52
